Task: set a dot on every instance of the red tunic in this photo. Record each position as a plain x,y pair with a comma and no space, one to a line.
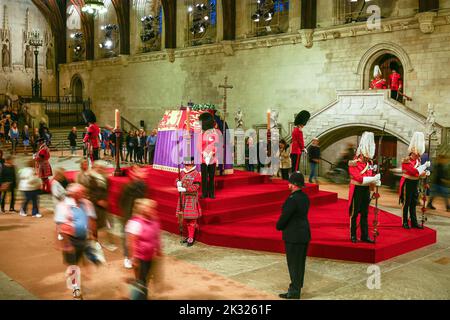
358,169
92,136
191,207
378,84
298,143
43,168
210,142
396,81
409,169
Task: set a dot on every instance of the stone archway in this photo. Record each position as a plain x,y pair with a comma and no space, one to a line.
365,66
76,88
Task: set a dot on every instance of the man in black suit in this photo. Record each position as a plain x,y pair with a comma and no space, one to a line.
296,234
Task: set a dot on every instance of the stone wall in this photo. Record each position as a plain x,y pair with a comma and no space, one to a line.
17,18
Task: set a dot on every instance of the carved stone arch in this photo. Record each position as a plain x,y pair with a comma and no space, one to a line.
376,52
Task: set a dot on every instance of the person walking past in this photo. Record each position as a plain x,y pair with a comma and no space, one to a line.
314,160
14,137
144,244
26,137
75,220
43,167
30,185
72,137
8,183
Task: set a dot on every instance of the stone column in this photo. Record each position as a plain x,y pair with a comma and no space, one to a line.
219,21
182,20
294,15
240,146
243,18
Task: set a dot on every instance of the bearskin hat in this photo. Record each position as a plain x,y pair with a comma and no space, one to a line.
302,118
89,116
207,121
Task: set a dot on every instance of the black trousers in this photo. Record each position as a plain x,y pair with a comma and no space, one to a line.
95,154
151,154
296,260
129,153
208,174
13,199
360,205
295,165
285,174
409,197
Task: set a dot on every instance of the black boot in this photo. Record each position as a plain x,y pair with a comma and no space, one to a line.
354,239
367,240
430,206
406,225
416,226
290,295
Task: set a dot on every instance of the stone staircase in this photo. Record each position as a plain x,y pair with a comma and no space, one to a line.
59,142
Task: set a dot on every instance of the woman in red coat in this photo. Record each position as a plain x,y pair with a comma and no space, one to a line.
43,167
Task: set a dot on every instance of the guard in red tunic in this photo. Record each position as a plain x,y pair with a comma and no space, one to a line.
378,82
409,183
92,136
396,83
361,171
298,143
43,167
210,143
188,208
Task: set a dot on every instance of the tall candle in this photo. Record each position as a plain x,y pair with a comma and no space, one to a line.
117,120
188,119
268,120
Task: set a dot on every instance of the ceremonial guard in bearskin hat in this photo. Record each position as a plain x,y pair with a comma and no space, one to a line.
43,167
361,171
210,143
188,208
92,136
298,143
409,183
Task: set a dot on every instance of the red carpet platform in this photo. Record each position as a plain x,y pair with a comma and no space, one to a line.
246,209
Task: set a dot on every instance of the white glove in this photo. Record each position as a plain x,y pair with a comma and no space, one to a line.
181,189
60,237
179,184
378,183
305,151
421,169
374,167
427,164
207,160
369,180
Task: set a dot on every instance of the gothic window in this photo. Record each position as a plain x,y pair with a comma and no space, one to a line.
269,16
201,22
149,15
75,37
107,30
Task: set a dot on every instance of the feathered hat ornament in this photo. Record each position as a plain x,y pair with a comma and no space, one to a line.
367,145
417,144
377,71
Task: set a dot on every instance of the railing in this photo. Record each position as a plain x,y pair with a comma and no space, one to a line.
127,125
64,114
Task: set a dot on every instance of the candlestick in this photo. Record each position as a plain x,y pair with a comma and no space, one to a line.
117,120
268,120
188,120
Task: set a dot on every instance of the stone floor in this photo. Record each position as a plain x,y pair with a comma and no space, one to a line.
222,273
